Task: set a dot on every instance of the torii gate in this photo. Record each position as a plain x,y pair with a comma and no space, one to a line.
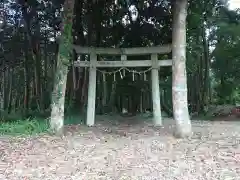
179,80
154,62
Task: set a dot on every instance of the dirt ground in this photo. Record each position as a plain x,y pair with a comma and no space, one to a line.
131,149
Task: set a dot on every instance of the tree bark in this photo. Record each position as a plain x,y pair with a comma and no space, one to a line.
10,90
58,95
207,83
179,82
2,90
26,80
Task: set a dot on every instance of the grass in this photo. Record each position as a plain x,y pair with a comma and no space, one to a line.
16,125
24,127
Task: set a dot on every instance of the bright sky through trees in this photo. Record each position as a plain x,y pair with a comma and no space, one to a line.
234,4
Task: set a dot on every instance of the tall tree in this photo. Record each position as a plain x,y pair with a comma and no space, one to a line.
179,82
58,96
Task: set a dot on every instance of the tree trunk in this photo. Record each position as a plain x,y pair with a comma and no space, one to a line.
26,81
112,98
207,67
179,82
58,95
84,90
10,96
2,90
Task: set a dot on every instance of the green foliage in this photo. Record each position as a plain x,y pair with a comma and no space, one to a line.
226,56
213,37
73,118
24,127
15,125
236,95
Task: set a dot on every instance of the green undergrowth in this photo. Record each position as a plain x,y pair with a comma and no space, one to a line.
24,127
203,117
16,125
73,119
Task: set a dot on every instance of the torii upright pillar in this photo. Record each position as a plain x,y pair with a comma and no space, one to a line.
157,117
92,90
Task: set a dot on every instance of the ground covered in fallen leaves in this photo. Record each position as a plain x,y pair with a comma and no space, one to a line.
125,149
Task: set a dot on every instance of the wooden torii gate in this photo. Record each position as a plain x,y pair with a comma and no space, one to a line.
154,62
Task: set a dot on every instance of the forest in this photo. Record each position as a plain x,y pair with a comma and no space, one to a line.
31,33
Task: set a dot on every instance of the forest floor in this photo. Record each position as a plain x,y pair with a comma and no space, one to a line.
125,149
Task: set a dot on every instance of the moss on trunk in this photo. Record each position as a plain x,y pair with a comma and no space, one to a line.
58,95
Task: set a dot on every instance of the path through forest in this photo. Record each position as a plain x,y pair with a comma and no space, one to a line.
129,150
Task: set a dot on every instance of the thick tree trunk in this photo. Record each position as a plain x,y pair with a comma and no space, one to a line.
179,83
58,96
